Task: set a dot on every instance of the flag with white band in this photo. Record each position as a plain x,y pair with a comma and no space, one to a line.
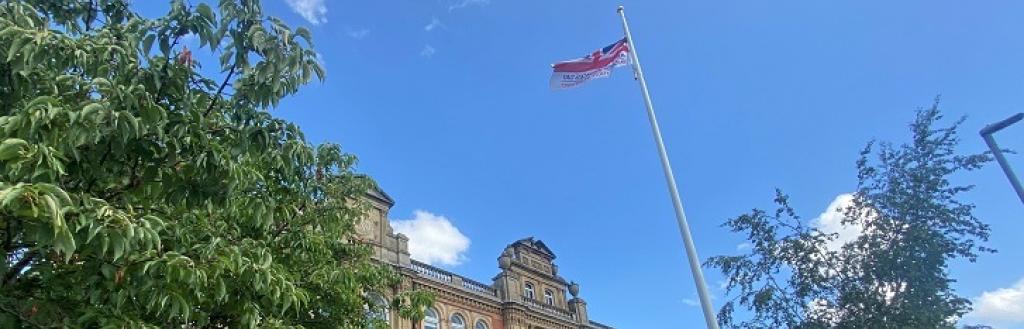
599,64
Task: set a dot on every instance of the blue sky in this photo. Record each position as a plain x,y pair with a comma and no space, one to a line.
446,103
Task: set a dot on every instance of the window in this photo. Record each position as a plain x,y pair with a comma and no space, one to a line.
430,320
529,290
480,324
377,308
457,322
549,297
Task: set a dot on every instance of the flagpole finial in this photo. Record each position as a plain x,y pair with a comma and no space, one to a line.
621,9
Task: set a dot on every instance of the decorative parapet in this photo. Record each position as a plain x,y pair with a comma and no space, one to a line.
478,287
549,309
433,273
599,325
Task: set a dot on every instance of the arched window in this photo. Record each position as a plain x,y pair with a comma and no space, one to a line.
549,297
457,322
430,320
529,290
377,308
480,324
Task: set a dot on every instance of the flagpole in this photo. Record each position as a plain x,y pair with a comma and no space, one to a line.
684,228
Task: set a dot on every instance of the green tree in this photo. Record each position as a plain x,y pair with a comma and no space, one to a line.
894,274
137,191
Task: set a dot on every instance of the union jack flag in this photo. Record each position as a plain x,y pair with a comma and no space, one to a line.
599,64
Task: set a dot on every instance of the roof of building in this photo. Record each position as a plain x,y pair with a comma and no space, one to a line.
535,244
379,194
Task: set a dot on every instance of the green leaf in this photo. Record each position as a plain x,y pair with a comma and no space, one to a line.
205,11
117,242
62,197
94,229
56,217
165,47
11,193
108,271
12,148
304,33
15,47
225,59
222,290
64,241
147,43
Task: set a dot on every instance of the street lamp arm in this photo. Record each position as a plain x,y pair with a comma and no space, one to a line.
989,129
986,134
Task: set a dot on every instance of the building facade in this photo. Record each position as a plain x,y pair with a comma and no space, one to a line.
527,292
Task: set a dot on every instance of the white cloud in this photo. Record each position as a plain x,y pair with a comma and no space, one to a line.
434,24
428,51
465,3
744,246
357,34
1001,308
314,11
831,221
823,310
690,302
433,239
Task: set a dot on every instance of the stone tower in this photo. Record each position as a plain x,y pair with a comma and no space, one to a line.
376,231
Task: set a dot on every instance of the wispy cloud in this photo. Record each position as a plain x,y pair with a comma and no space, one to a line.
694,301
459,4
1002,308
314,11
433,239
744,246
428,51
434,24
357,34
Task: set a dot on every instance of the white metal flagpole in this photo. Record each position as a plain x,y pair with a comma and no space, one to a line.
684,228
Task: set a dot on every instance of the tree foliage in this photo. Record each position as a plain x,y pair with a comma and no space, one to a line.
894,274
137,191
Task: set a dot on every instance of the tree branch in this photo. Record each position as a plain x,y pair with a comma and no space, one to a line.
284,225
88,15
215,97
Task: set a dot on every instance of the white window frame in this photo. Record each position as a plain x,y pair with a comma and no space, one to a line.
431,319
549,297
378,309
529,291
460,319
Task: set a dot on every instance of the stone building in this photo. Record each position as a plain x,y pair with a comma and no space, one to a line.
527,293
